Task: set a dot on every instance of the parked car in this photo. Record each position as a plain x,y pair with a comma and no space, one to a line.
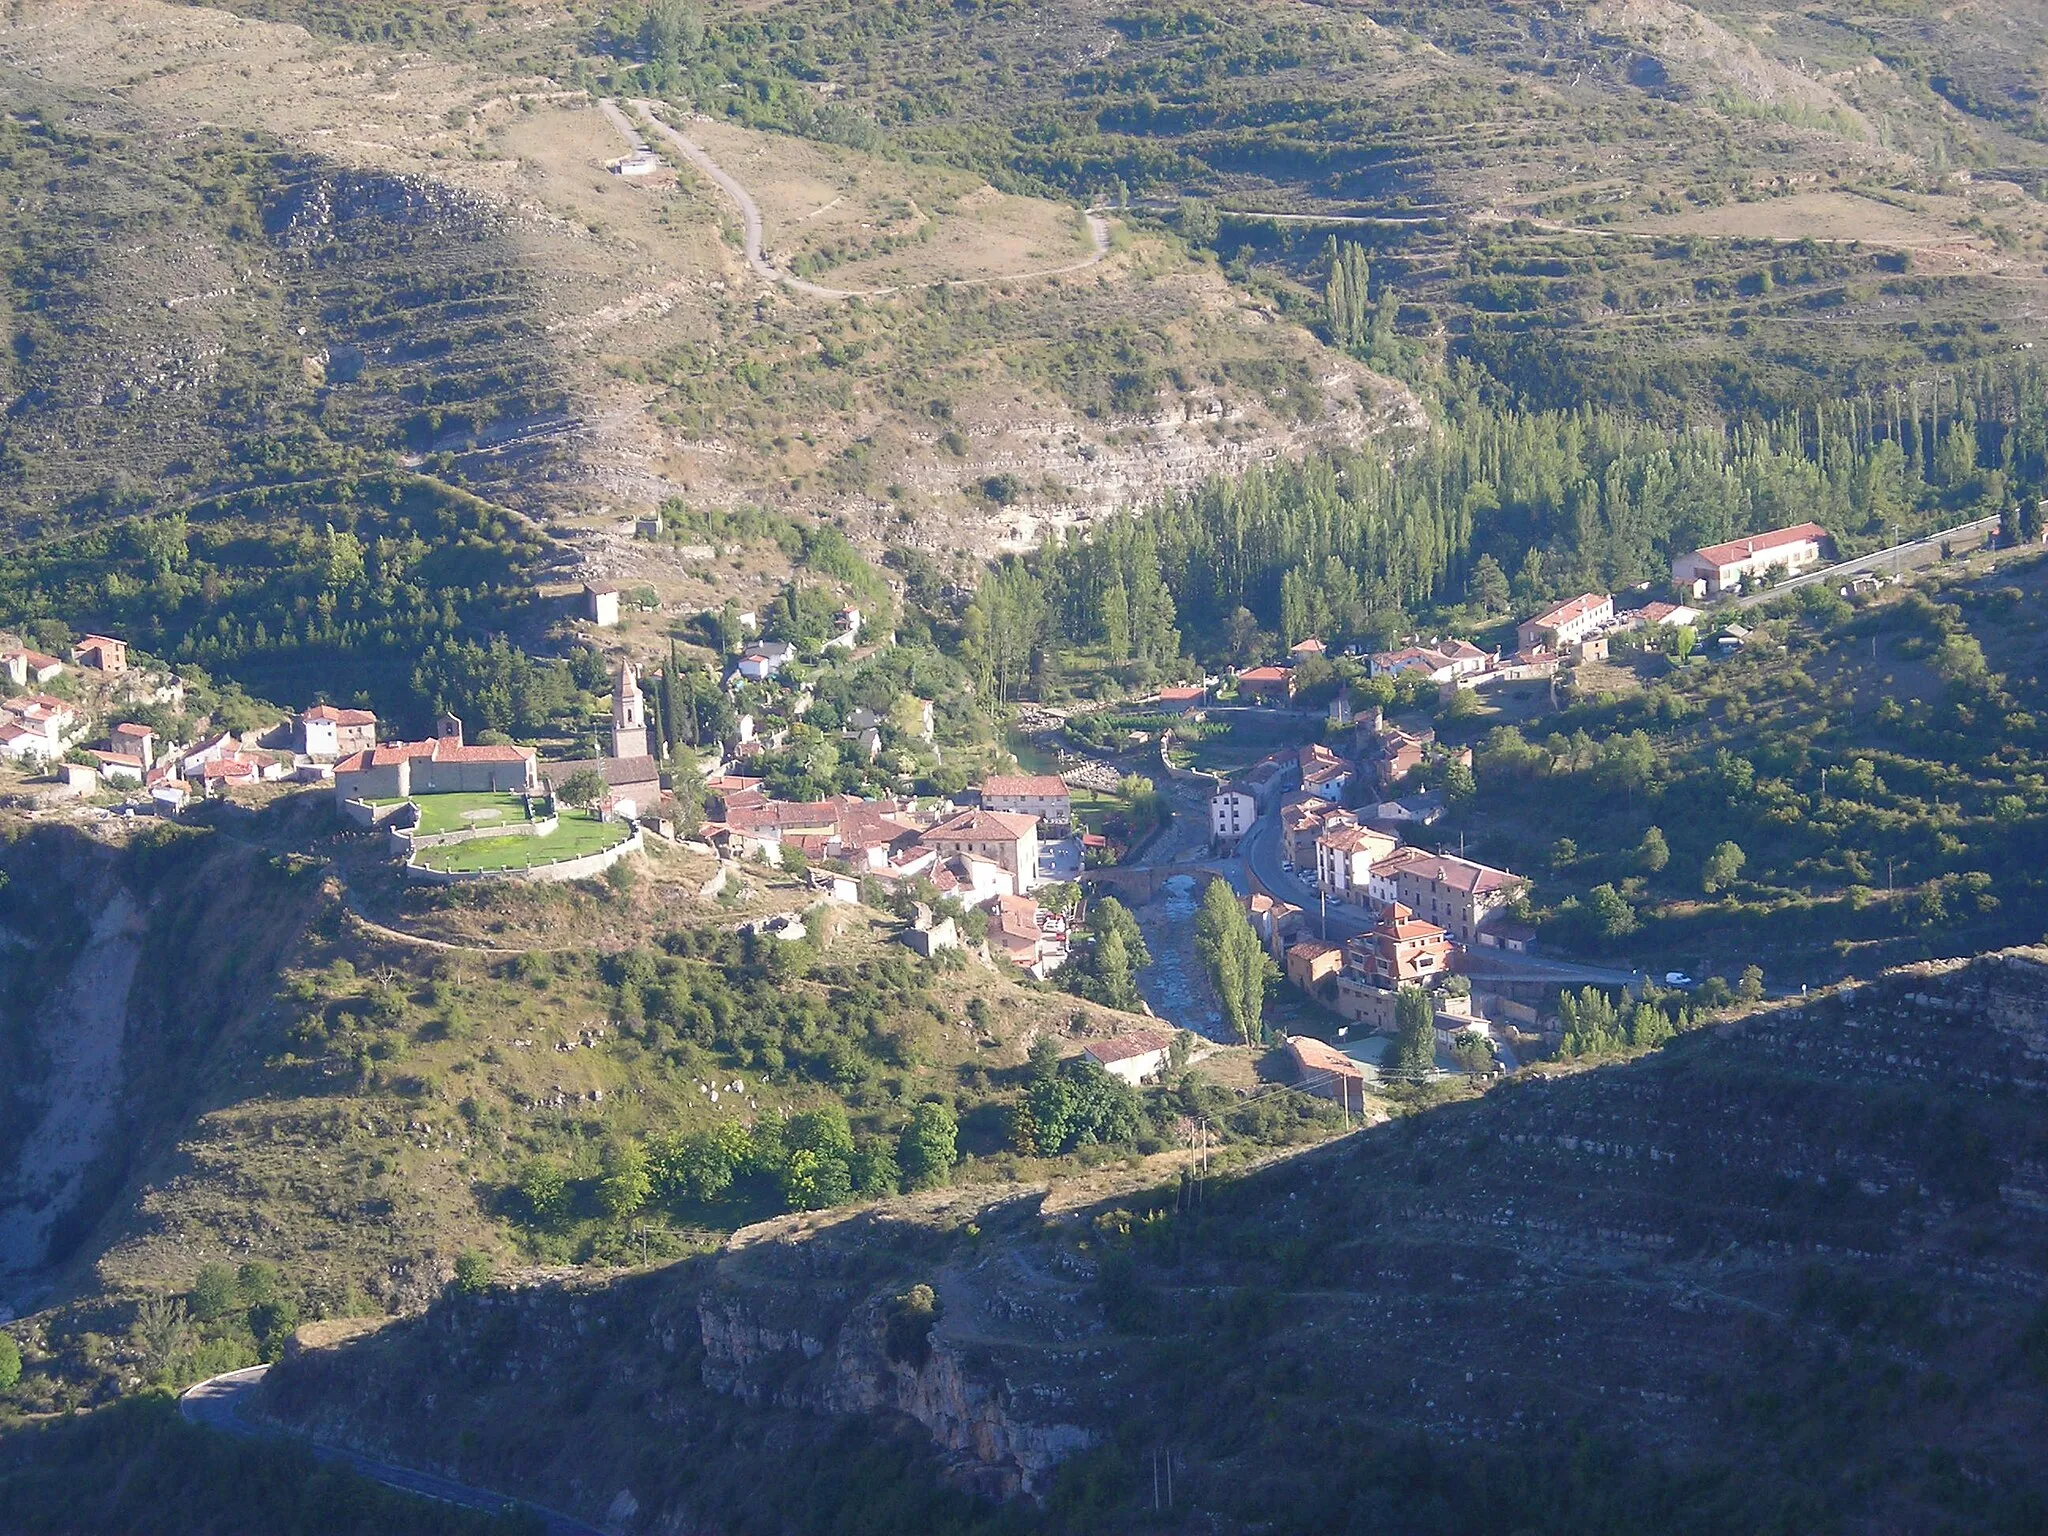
1677,979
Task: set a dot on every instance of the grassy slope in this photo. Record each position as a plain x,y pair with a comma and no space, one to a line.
354,1110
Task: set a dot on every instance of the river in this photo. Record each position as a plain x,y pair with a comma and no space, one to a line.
1176,985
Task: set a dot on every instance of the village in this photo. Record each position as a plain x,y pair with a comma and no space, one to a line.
1325,843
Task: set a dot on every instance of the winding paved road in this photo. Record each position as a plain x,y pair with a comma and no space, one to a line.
752,228
217,1403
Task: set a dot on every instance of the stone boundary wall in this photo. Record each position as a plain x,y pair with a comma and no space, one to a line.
406,841
581,868
364,814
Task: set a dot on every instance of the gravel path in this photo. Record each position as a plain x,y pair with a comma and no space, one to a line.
750,217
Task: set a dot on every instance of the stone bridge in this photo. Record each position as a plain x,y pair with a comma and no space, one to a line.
1133,886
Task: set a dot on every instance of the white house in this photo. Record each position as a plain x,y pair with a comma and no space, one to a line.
1003,839
1567,624
1135,1056
328,733
1232,810
27,669
601,605
1043,796
1344,861
764,658
1443,662
36,727
1722,568
120,767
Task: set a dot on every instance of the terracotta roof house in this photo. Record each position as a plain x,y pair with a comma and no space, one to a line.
1327,1072
764,658
25,668
1457,894
1013,930
102,653
120,767
135,740
1312,962
1721,568
1042,796
1007,838
1568,623
1345,858
1134,1055
1266,684
1400,950
1672,615
327,732
1440,661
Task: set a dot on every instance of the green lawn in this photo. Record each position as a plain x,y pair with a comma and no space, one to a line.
576,834
454,812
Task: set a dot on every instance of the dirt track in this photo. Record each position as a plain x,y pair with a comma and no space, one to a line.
750,217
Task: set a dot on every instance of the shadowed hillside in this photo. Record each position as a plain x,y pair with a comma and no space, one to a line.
1782,1273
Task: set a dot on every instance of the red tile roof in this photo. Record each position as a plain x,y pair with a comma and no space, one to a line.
1736,550
340,716
1445,869
1030,784
1352,839
1314,1056
1130,1045
1565,613
984,826
393,753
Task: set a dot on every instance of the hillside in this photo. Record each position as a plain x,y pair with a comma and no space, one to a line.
1877,764
1783,1272
1577,200
238,1046
387,255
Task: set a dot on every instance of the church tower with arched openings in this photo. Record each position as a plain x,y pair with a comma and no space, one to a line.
629,715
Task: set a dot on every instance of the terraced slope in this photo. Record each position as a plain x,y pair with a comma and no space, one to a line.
245,254
1784,1271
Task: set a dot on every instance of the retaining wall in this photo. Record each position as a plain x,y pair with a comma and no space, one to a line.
406,841
562,869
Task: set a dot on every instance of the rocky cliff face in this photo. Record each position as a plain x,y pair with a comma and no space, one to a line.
960,1395
1799,1257
120,964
